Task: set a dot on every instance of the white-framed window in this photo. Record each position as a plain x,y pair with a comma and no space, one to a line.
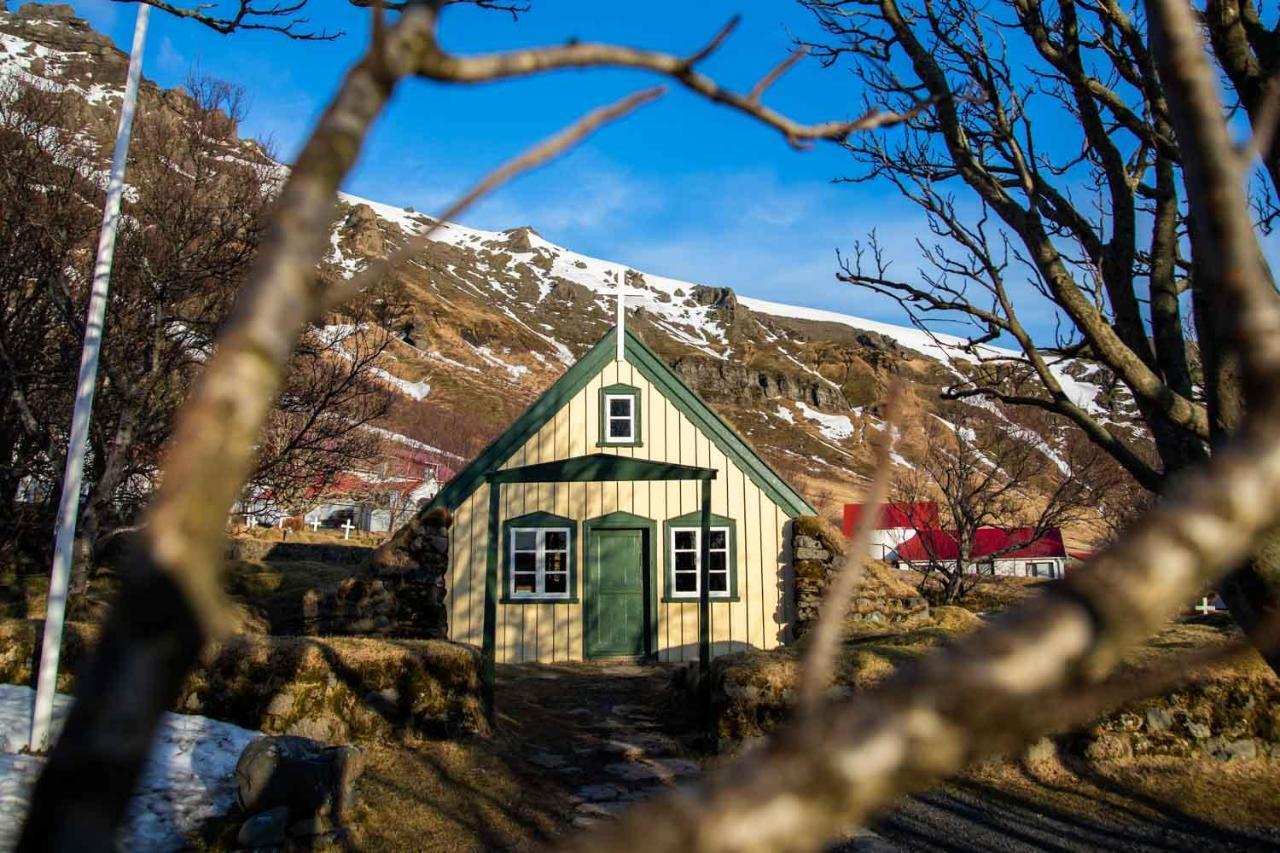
1041,570
685,552
539,562
620,418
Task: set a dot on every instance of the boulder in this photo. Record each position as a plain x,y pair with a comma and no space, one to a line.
303,777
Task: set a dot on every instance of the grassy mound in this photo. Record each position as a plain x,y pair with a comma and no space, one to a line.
331,689
1229,710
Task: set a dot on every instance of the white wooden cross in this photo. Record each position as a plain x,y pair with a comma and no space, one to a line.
315,524
623,293
1205,607
347,528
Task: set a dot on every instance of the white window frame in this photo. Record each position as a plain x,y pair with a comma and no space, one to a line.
540,570
1031,570
727,550
610,417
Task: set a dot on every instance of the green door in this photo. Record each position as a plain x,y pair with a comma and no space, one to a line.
615,594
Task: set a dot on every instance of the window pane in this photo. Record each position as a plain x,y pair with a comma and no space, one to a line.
556,561
620,407
619,428
526,561
557,583
556,540
686,561
686,582
718,539
686,540
525,582
526,540
718,582
719,561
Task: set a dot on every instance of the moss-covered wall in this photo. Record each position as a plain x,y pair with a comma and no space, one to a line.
881,598
335,689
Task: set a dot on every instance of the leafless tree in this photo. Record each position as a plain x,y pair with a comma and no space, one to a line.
1061,185
1041,667
193,221
990,472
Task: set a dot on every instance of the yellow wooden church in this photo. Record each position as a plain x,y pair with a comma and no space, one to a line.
619,517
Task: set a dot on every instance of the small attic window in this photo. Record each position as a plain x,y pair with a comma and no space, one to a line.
619,416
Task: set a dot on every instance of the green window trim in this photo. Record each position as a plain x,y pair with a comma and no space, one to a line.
693,520
620,390
538,520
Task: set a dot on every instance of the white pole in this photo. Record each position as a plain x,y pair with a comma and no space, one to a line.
69,500
622,318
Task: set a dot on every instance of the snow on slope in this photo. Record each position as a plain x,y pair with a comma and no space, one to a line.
188,778
669,301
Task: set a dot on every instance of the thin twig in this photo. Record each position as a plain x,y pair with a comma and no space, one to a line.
713,45
539,155
778,70
819,664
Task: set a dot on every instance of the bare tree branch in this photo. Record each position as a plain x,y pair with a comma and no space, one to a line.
820,662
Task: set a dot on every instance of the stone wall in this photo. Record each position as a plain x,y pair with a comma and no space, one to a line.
881,599
412,566
335,690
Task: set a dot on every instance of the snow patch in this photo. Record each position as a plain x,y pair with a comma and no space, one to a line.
417,390
834,427
189,776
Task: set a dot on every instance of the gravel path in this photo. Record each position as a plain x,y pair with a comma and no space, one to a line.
966,818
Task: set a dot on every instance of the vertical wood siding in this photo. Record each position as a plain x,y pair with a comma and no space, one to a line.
553,632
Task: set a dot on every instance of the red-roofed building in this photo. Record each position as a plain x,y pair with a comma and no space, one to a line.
1015,551
896,523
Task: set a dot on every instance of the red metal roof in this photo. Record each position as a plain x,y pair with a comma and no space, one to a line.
941,544
921,515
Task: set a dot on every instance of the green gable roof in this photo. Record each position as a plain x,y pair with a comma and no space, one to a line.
655,370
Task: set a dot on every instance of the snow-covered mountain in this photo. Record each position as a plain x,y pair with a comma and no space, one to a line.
495,317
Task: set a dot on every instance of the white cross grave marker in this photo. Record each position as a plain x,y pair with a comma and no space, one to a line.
347,528
1205,607
315,524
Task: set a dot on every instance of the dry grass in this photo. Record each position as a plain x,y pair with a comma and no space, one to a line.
469,796
1229,794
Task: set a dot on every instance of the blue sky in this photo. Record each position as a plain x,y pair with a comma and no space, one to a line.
683,188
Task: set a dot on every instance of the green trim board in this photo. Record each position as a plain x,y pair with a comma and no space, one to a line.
539,519
600,468
694,520
637,421
656,371
627,521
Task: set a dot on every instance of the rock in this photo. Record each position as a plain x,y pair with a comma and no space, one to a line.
264,829
549,760
598,793
305,777
661,770
1159,719
1199,731
603,809
1245,749
1109,747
